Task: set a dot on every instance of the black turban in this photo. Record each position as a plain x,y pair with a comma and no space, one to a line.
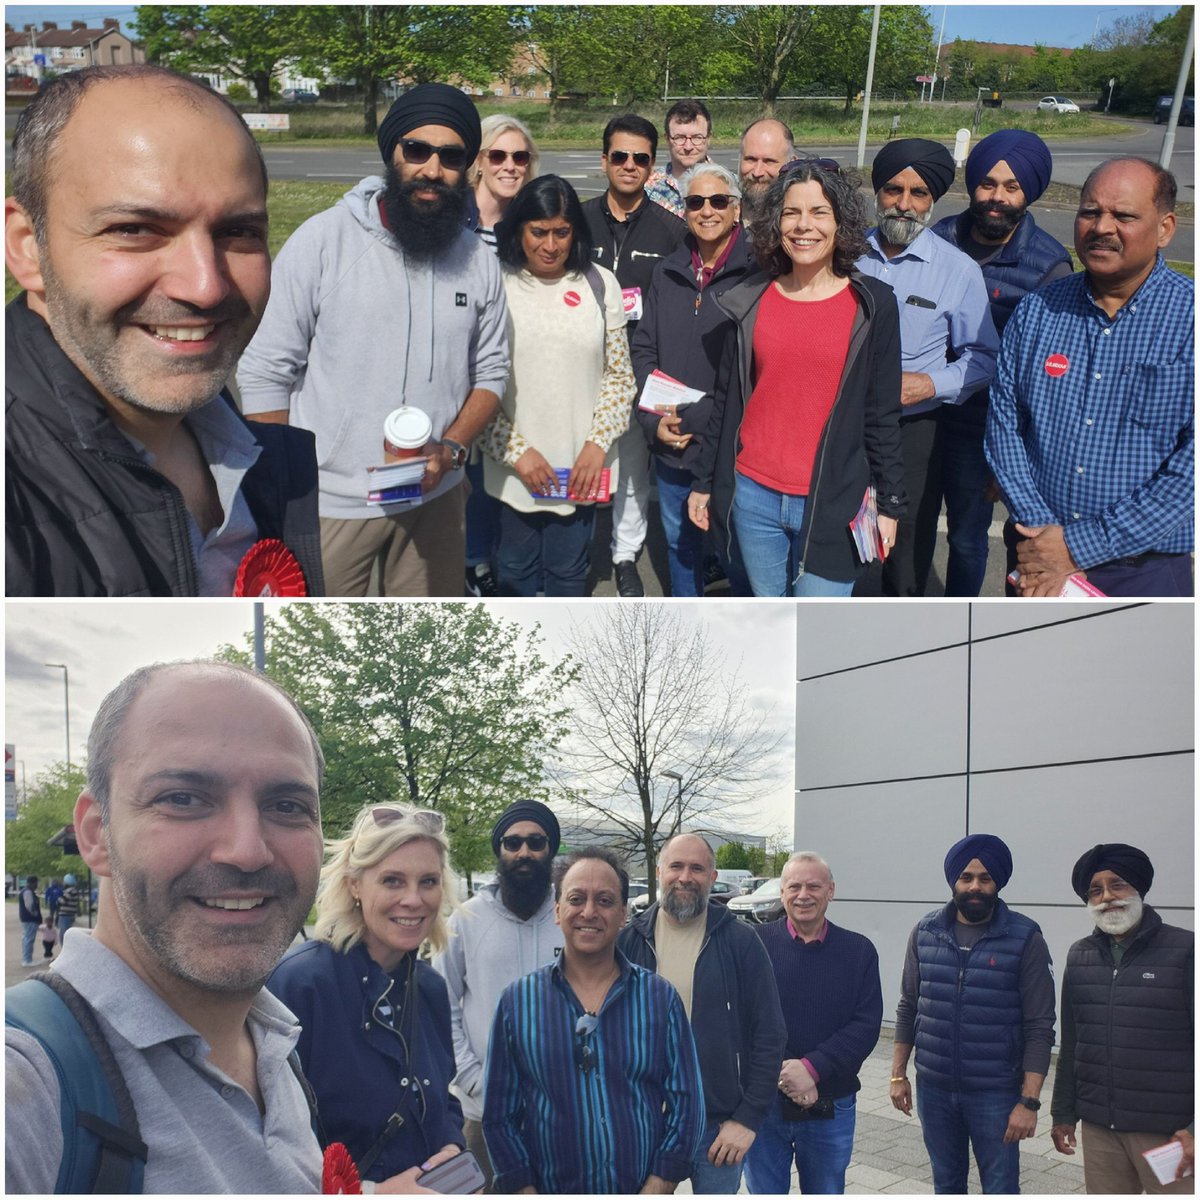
1130,863
990,851
431,104
931,160
1028,158
527,810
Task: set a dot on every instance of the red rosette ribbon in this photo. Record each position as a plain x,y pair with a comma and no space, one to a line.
339,1175
269,568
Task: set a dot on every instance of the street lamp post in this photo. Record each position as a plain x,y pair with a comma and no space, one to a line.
675,775
66,706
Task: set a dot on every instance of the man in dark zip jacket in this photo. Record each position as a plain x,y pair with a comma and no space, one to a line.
723,974
977,1002
1127,1057
127,471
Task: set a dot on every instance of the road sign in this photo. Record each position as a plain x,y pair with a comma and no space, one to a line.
10,781
927,79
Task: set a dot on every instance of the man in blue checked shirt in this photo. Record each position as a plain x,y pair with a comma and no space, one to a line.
1091,429
592,1082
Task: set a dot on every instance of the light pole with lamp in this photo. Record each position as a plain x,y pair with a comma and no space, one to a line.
66,706
675,775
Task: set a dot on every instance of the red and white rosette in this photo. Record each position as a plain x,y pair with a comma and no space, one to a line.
269,568
339,1175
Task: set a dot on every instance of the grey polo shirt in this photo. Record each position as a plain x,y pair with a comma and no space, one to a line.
203,1130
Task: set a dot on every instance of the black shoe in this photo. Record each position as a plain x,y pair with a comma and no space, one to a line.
480,582
629,582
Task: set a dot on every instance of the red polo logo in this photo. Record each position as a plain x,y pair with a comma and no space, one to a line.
1057,365
571,299
991,962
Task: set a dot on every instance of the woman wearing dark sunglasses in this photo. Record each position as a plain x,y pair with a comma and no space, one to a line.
568,396
375,1040
807,405
681,334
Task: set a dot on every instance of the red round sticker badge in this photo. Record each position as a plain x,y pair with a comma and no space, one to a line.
571,299
1057,365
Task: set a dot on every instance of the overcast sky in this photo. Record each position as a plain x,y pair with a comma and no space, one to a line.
102,642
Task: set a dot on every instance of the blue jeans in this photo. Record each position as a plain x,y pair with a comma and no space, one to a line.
821,1149
966,478
483,518
708,1180
950,1119
768,531
64,923
543,548
28,937
685,542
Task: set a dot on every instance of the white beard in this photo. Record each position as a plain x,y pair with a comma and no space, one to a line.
1121,917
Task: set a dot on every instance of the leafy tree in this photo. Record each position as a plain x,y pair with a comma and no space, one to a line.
733,856
440,706
249,40
653,694
771,43
48,806
558,49
843,35
756,860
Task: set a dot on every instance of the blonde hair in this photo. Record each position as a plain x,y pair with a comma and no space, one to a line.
339,919
492,127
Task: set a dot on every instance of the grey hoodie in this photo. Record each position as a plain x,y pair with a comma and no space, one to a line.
489,948
353,330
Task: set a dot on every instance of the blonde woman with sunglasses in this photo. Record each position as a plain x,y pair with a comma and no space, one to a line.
506,161
376,1044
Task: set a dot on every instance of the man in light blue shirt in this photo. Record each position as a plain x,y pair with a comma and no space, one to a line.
947,339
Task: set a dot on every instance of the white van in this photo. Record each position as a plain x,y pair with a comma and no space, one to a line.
739,876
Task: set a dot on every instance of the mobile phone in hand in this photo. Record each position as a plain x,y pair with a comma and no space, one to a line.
459,1176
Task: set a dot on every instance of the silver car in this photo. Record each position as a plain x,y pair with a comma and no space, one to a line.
763,904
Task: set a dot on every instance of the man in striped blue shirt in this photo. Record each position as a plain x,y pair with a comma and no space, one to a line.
592,1083
1091,430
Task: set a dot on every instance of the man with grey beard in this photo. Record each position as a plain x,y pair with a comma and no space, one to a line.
948,342
1125,1063
766,145
723,974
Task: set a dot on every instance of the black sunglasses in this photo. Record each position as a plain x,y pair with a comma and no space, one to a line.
719,202
416,152
535,841
585,1056
497,157
826,164
640,157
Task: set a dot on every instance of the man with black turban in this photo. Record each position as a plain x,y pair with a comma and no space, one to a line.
1126,1059
977,1003
1005,173
387,301
948,342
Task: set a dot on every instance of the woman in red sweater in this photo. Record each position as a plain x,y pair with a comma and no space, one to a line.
807,407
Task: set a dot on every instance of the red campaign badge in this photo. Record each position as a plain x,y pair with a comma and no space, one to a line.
1056,365
995,293
269,568
571,299
339,1176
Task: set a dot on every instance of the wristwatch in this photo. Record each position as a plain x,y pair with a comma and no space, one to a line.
458,453
1029,1102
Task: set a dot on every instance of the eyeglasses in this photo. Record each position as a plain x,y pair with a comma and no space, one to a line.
389,814
585,1055
537,842
416,152
1115,887
720,202
619,157
497,158
682,139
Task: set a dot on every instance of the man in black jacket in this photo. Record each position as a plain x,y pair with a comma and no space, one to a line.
631,235
1126,1060
145,272
723,974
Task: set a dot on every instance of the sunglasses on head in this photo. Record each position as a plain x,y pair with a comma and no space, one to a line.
535,841
640,157
389,814
720,202
585,1056
498,157
416,152
826,164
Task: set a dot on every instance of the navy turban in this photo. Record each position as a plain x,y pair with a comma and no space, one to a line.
431,104
527,810
931,160
1130,863
990,851
1028,158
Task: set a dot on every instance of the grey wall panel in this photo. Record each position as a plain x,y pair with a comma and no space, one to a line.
987,620
890,721
832,637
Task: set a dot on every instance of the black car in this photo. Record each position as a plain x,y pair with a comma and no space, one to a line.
297,96
1187,110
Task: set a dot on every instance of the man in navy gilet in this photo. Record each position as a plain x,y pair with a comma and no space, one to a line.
977,1002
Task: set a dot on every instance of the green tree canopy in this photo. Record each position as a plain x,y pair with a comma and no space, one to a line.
48,806
733,856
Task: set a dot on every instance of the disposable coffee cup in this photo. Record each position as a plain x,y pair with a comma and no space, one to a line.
405,432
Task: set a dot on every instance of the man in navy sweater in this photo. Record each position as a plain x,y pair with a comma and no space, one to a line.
828,980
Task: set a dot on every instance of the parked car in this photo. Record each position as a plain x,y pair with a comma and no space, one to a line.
721,893
764,904
1057,104
298,96
1187,110
754,883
